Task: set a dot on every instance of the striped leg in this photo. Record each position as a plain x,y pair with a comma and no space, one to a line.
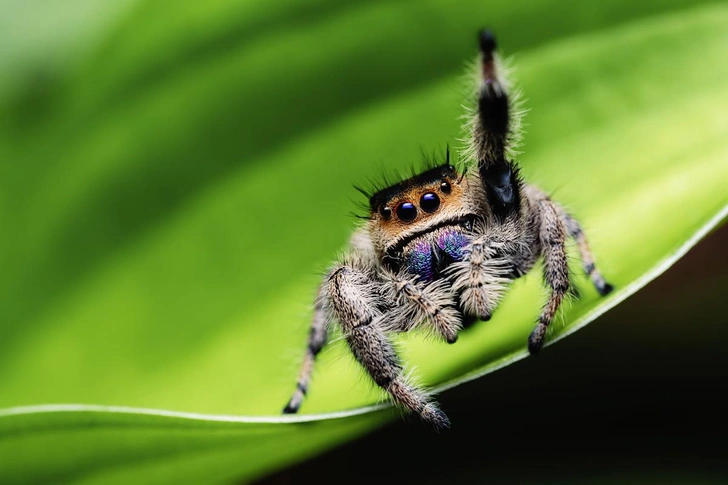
587,258
552,234
316,340
353,295
490,127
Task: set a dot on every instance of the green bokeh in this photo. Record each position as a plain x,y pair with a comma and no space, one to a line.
173,185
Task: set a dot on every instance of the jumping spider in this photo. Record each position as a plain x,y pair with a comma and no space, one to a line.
439,249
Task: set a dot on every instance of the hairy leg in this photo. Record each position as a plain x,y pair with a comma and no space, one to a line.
317,337
353,294
415,302
491,125
587,258
552,235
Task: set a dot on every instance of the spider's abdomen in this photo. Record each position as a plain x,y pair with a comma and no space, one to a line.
429,255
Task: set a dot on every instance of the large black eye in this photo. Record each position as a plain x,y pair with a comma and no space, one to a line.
429,202
406,212
445,187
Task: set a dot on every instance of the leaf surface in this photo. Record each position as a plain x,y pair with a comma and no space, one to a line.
206,309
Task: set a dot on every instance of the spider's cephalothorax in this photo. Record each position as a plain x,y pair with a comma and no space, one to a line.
439,249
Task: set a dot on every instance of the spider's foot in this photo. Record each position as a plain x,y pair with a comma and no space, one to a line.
605,289
297,399
290,409
433,416
295,403
492,99
486,39
536,339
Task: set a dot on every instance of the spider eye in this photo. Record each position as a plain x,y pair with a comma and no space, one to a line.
430,202
385,212
445,187
406,212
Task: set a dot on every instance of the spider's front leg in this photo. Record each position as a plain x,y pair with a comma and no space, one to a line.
353,293
494,129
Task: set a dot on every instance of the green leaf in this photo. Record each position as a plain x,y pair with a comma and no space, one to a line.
160,113
203,305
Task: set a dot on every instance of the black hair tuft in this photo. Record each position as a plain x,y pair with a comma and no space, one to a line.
432,169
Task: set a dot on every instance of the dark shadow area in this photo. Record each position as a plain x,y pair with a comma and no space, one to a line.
635,397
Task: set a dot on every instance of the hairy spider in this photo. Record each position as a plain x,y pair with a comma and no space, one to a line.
439,249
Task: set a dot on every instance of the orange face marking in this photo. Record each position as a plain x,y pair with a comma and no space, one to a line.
417,205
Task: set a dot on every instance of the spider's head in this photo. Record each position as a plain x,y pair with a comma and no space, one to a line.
436,198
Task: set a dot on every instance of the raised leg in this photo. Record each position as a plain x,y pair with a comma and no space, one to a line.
353,296
493,128
416,302
587,258
491,125
316,340
552,235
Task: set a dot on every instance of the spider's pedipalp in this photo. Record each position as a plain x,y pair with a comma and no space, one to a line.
479,279
417,302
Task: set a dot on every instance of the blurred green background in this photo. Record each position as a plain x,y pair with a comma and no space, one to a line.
175,176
